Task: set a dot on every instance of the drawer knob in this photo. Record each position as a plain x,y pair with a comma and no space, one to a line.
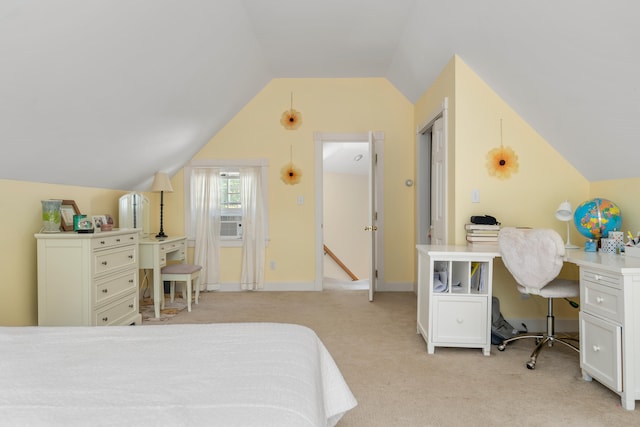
130,305
104,291
597,277
130,280
104,319
104,262
460,320
596,348
117,240
130,256
599,300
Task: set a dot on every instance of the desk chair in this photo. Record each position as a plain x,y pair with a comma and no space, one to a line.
534,258
188,273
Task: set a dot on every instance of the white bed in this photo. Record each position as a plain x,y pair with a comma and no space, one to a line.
244,374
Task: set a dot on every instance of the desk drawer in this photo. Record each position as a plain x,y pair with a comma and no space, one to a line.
113,287
460,320
601,350
603,301
115,259
604,278
114,313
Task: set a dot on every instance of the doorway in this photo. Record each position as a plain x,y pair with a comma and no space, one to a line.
346,254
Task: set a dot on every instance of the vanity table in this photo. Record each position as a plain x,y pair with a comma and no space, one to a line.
154,254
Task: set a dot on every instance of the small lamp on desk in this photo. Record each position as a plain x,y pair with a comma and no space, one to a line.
565,213
161,183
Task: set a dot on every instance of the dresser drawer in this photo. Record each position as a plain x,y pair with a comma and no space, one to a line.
105,242
460,320
115,259
604,278
114,286
113,313
601,350
600,300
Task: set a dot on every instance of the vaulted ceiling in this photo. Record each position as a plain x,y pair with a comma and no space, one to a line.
103,93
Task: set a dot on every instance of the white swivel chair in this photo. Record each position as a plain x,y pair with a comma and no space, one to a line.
534,258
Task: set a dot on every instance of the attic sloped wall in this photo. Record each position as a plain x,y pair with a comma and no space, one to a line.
529,198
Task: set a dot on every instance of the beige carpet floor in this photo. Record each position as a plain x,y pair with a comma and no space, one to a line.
398,384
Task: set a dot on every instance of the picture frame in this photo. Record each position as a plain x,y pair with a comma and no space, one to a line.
98,220
67,210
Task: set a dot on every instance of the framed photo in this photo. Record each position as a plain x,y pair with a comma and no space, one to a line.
67,210
98,220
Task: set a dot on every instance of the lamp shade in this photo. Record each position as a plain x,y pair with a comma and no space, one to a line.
161,182
564,211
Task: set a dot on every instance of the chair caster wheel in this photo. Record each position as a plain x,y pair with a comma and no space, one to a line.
501,347
531,365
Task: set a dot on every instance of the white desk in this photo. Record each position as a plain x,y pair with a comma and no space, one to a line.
154,254
609,312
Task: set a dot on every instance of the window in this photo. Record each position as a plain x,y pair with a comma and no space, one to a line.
225,178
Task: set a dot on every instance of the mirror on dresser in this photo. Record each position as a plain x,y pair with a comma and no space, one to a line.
134,212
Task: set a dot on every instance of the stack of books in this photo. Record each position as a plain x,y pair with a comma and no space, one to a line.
482,233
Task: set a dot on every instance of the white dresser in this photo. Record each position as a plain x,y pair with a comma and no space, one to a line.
454,309
88,279
610,322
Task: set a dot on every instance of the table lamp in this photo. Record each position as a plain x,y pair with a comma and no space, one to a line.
161,183
565,213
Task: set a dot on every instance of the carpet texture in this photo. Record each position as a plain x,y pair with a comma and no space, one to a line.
397,383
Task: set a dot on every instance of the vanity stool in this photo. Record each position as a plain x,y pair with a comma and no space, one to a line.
188,273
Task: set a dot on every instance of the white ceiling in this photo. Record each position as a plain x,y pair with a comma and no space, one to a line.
84,82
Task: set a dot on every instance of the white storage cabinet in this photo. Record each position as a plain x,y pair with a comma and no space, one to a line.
454,296
88,279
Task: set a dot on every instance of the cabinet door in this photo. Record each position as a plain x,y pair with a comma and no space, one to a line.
600,350
460,320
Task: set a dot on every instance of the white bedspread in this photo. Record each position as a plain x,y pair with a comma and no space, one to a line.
245,374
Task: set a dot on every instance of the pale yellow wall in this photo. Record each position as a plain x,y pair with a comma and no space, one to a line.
346,212
20,218
327,105
345,105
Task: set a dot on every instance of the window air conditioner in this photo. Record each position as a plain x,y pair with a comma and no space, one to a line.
231,226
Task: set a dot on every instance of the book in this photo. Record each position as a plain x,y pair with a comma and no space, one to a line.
474,239
482,232
482,227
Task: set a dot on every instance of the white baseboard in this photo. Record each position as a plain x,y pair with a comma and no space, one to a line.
539,325
307,286
270,286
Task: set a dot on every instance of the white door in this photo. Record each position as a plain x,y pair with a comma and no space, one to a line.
438,184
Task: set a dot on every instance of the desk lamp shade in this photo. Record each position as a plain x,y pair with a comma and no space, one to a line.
161,183
565,213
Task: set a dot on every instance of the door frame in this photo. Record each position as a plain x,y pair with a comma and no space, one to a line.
319,138
423,171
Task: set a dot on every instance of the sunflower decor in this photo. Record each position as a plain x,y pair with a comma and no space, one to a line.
502,161
291,119
290,174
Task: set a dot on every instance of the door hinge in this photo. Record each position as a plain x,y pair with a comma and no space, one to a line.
375,216
376,274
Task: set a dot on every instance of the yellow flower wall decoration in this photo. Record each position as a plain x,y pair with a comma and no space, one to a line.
502,161
290,174
291,119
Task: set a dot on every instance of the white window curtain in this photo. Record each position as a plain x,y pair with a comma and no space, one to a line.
205,210
253,229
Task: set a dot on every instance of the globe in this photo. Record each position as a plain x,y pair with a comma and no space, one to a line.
595,218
